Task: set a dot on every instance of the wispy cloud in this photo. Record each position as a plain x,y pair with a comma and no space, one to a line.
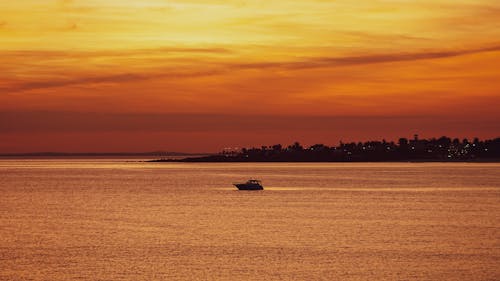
117,78
201,69
367,59
40,54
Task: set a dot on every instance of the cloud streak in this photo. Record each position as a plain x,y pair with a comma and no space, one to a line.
222,68
369,59
118,78
111,53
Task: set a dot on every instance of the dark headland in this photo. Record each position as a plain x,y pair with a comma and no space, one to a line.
442,149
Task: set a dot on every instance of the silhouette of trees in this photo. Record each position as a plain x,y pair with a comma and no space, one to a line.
441,149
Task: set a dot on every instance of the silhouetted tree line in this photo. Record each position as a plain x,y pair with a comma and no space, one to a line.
441,149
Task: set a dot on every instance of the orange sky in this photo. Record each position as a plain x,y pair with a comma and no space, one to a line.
115,75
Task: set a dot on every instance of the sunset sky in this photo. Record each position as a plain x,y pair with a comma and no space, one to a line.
198,76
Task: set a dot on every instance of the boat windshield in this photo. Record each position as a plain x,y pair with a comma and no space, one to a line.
254,181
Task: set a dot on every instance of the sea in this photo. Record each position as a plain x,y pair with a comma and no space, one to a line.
126,219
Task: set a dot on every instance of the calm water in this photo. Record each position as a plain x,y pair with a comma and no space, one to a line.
117,220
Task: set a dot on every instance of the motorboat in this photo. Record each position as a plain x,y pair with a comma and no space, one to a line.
250,185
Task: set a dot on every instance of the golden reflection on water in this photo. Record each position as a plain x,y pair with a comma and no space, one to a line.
119,220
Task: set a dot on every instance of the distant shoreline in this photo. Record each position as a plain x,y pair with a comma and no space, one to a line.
101,154
416,150
434,150
195,160
123,157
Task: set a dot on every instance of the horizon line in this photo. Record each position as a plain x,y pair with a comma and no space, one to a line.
177,153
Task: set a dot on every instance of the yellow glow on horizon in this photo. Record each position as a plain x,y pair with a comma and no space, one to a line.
108,24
